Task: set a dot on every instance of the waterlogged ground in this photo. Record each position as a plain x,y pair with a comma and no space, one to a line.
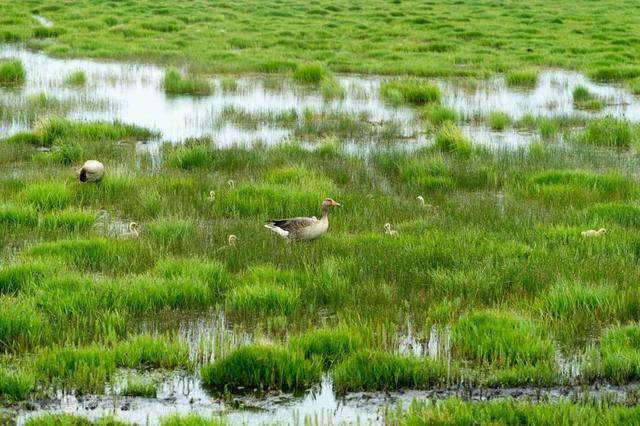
483,289
247,113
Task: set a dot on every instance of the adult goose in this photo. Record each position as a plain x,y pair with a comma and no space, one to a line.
91,171
303,228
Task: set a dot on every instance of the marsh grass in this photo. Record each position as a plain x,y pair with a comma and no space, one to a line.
176,84
584,99
47,196
264,298
310,74
610,132
88,368
15,278
449,138
137,386
15,385
12,73
437,115
410,91
627,215
262,368
579,187
522,78
498,120
379,371
21,324
508,411
14,215
500,339
328,345
98,255
331,89
618,359
71,221
574,299
173,235
77,78
192,420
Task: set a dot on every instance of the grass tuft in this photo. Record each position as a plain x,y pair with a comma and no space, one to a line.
175,84
12,73
261,368
449,138
379,371
310,74
410,91
330,346
522,78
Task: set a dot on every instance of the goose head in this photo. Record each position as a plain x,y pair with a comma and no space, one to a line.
602,231
212,195
329,202
420,199
232,240
387,227
231,183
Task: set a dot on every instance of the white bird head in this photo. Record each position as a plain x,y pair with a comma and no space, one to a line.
212,195
232,240
421,200
231,183
387,227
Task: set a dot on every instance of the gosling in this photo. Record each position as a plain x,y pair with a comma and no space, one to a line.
594,233
389,231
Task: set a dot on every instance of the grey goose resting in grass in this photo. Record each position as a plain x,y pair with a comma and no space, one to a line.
303,228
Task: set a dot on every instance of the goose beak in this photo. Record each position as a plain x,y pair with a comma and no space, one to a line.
336,204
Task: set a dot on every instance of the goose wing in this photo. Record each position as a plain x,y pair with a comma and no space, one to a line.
293,225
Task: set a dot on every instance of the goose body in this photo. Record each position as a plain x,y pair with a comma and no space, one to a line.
91,171
303,228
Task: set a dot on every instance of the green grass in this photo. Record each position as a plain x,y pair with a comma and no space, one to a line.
15,278
437,115
15,385
310,74
263,298
449,138
500,339
378,371
584,99
12,73
330,346
413,92
77,78
192,420
619,357
145,388
508,411
175,83
610,132
47,196
449,38
498,120
522,78
262,368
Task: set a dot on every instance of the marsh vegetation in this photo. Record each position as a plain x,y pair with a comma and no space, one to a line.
160,282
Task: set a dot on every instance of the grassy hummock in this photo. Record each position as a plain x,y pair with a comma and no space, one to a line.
12,73
175,83
261,368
